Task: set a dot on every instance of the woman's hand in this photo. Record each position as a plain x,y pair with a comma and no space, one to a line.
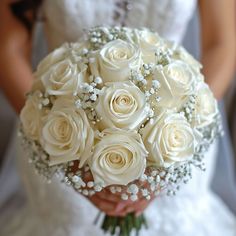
113,205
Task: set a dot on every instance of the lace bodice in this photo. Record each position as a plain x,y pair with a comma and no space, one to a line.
65,20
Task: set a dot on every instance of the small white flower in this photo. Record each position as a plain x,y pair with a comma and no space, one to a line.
85,51
133,198
118,189
93,97
152,91
90,88
144,192
156,84
90,184
85,192
113,189
98,80
133,188
158,178
143,177
124,196
75,179
98,188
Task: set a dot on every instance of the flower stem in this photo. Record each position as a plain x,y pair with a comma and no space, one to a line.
123,226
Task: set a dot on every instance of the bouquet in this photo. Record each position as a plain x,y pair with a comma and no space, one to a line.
125,105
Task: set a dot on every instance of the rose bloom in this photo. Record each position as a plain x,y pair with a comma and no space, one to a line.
64,77
51,59
117,58
121,105
118,158
66,134
149,43
169,140
205,107
31,117
177,83
67,50
182,54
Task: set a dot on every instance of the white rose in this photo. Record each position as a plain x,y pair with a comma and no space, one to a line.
66,134
149,42
177,82
169,139
31,117
181,53
121,105
51,59
118,158
205,107
60,54
64,78
117,58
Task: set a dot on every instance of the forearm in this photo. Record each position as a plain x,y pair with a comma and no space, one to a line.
218,38
218,68
15,78
15,52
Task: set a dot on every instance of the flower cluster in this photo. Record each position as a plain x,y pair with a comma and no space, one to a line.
125,105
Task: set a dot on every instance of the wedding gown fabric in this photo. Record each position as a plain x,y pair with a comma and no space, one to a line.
57,210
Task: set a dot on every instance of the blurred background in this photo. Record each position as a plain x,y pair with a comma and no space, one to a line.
13,194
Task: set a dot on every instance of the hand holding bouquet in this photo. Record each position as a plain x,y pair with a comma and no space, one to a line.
123,113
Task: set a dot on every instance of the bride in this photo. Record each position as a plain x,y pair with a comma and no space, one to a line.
56,210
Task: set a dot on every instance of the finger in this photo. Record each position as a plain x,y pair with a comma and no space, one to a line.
130,209
109,196
120,214
120,207
105,206
137,206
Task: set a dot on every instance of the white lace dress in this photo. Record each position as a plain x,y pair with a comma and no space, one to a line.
57,210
